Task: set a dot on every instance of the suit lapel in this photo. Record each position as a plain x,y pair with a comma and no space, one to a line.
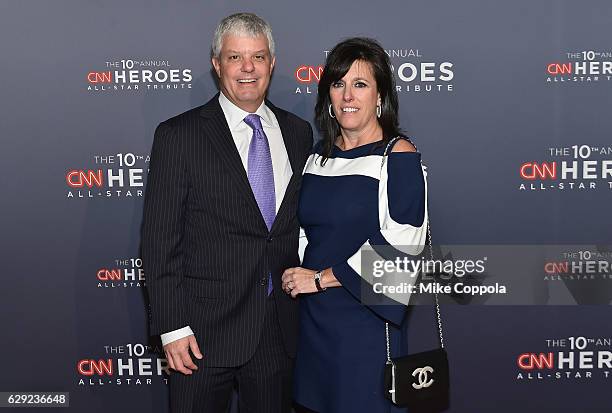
292,152
217,130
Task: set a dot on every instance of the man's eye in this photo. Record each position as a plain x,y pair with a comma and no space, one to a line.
259,57
233,57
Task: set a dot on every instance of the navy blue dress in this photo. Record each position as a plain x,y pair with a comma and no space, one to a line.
341,348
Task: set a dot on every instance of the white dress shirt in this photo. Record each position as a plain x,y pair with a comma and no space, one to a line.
242,134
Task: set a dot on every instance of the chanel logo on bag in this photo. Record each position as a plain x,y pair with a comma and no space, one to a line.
423,377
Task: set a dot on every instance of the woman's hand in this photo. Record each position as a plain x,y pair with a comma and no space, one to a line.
300,280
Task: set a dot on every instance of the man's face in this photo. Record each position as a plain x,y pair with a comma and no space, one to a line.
244,67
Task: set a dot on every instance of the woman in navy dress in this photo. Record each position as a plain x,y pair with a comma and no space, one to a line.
351,198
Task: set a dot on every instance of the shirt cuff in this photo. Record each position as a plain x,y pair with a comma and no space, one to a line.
171,336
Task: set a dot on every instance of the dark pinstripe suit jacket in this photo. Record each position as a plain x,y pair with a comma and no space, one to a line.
205,246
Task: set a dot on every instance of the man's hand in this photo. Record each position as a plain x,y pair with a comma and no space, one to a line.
177,354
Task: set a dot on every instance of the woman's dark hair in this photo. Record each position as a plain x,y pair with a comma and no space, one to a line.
337,64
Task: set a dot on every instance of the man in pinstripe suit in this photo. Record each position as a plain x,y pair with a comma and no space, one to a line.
219,229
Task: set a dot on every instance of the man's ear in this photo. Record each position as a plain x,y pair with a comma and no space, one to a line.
272,64
217,65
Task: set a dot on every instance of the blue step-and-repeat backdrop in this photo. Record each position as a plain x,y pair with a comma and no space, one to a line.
509,102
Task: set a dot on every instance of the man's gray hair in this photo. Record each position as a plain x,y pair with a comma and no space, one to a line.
241,24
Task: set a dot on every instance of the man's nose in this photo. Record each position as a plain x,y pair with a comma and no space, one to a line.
247,65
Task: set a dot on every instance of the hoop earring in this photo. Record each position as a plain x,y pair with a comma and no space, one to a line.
330,111
378,111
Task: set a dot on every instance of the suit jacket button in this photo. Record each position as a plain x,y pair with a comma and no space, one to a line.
269,239
264,281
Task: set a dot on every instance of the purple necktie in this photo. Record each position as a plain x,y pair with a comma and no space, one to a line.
261,174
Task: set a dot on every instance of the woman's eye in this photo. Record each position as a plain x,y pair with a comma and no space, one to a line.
337,84
360,84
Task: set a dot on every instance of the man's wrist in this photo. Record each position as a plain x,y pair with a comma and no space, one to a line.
169,337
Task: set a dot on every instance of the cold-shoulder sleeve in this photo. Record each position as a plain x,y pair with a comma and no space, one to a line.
402,211
402,200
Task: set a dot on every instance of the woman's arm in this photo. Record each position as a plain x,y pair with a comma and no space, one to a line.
299,280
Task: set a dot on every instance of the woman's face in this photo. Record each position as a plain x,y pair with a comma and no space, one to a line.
354,98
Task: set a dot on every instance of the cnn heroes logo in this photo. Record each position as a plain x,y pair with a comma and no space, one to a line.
133,75
572,358
579,265
588,66
577,167
113,176
127,364
411,74
124,273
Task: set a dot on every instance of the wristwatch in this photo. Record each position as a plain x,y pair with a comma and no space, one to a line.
317,280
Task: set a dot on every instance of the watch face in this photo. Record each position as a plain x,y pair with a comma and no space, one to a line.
317,279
